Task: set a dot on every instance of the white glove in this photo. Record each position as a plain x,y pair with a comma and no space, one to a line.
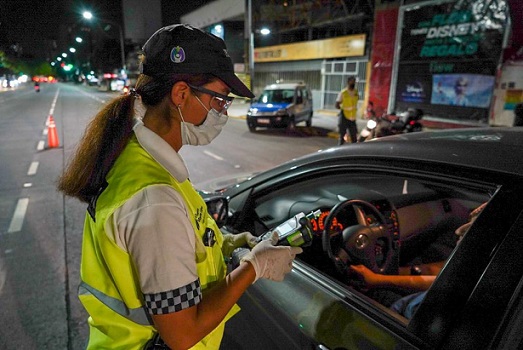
233,241
270,261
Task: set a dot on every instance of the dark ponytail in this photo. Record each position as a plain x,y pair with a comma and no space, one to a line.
109,132
102,142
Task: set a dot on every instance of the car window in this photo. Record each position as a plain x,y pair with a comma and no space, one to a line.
306,95
277,96
421,218
288,96
299,96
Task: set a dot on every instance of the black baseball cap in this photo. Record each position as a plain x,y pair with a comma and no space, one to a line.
183,49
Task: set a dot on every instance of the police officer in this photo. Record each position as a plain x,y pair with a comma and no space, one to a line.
152,263
347,102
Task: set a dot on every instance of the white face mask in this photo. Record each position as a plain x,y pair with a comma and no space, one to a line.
206,132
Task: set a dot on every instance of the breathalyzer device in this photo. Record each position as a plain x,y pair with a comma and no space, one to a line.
295,232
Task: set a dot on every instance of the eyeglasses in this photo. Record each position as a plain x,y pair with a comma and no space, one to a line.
223,102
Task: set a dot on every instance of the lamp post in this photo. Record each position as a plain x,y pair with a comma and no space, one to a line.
251,43
89,16
250,32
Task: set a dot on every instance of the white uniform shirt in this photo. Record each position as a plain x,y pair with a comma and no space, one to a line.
153,226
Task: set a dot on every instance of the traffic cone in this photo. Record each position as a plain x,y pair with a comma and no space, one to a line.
52,135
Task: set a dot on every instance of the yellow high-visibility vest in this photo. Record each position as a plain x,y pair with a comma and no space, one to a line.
110,289
349,103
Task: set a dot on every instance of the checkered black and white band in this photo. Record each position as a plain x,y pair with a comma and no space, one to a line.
173,300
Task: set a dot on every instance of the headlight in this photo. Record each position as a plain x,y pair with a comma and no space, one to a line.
252,111
371,124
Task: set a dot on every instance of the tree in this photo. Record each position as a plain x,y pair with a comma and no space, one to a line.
21,66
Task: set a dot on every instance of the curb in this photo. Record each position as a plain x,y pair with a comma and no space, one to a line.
329,112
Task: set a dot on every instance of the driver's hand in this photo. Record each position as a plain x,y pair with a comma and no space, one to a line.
364,277
233,241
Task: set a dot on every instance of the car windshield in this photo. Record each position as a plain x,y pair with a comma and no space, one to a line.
277,96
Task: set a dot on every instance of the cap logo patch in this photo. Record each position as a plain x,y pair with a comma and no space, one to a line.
177,54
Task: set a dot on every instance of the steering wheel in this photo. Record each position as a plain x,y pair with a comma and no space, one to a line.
361,244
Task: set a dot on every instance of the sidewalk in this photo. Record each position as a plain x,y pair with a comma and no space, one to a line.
321,119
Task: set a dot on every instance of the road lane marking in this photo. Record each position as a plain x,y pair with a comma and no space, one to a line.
213,155
40,146
53,104
18,216
28,184
33,168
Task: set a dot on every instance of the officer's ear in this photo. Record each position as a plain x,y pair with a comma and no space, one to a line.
179,93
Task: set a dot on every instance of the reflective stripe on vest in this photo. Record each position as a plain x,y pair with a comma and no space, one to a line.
138,315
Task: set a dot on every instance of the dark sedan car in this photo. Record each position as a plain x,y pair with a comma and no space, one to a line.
390,203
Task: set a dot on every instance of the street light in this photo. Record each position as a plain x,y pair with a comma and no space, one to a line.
88,15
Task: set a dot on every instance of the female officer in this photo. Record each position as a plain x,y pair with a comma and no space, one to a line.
152,263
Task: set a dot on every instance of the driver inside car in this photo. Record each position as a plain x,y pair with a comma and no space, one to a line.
416,280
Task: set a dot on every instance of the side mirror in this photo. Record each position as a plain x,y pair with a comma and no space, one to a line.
218,208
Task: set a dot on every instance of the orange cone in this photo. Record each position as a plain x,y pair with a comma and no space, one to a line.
52,135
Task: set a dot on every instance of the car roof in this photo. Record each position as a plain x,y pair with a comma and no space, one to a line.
491,148
495,150
277,86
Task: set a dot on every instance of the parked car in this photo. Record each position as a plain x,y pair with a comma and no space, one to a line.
392,202
281,105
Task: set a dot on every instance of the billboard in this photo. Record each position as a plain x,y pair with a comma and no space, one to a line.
343,46
448,58
462,90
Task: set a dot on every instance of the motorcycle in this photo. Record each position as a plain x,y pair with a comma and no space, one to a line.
391,124
37,87
369,132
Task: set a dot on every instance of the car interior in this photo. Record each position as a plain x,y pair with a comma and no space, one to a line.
381,220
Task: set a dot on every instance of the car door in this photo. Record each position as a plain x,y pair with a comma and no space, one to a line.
473,299
307,312
311,308
307,102
298,105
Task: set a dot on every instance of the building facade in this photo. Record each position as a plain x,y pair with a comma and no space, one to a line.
442,56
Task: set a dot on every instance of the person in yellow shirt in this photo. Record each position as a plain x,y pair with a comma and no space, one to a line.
347,102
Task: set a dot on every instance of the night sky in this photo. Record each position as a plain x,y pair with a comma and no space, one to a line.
29,23
35,24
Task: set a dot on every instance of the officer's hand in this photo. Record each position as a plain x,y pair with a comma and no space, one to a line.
233,241
271,262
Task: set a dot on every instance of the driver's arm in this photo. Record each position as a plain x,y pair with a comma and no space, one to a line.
406,282
424,269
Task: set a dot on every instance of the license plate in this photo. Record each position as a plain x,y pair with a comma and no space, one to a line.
263,121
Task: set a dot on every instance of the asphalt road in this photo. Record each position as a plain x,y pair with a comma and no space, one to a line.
41,230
